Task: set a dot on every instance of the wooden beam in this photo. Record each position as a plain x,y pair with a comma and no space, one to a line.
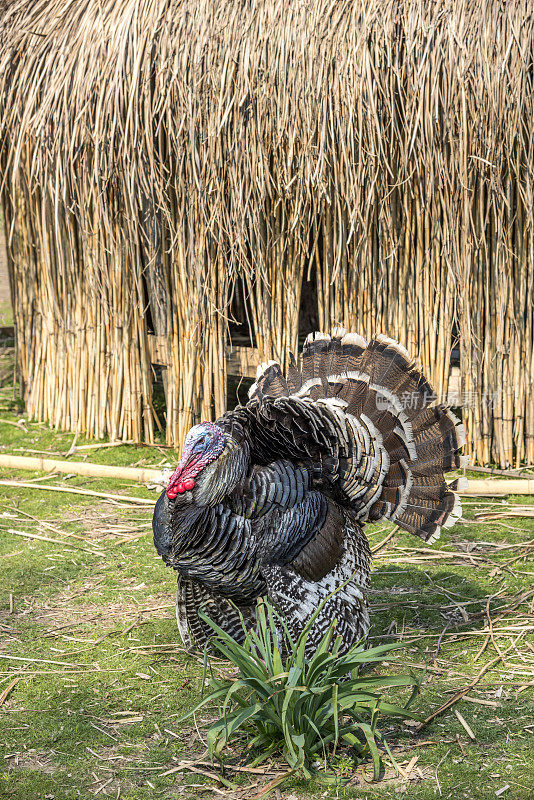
242,361
82,468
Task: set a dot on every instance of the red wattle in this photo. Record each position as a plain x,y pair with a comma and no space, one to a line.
180,487
188,484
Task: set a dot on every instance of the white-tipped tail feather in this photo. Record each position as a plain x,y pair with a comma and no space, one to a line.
458,424
263,367
317,336
338,332
354,339
383,339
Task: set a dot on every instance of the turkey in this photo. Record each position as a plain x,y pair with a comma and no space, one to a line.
271,499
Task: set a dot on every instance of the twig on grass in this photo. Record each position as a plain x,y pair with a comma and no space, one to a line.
192,768
117,497
54,541
502,613
511,512
514,473
7,690
40,661
489,635
82,669
464,725
466,689
103,786
20,424
233,767
130,627
480,701
407,771
272,785
74,448
381,544
45,524
130,539
437,767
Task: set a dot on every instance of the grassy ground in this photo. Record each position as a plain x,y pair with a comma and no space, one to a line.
6,314
93,679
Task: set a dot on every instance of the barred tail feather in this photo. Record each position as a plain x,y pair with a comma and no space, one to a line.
270,382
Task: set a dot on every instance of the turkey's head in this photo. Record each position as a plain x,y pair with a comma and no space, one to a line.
202,446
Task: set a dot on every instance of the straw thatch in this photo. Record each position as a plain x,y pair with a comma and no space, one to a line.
157,151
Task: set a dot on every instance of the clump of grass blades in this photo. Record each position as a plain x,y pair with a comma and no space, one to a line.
305,706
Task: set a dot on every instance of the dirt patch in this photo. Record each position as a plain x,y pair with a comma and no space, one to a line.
111,787
102,524
35,760
65,611
63,615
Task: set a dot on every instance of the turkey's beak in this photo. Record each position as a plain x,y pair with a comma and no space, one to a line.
182,479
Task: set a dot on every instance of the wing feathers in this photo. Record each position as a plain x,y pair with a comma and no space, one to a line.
323,551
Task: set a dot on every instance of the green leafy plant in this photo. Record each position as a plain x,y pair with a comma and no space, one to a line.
305,706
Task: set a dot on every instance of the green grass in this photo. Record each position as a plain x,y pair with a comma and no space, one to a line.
105,716
6,314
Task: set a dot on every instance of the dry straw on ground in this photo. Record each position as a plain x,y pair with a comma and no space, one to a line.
156,152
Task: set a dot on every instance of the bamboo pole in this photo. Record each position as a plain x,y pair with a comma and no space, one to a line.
140,475
475,487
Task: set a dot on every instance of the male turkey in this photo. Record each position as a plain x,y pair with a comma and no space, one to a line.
271,499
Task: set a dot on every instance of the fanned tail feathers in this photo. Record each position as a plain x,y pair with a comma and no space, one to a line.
396,447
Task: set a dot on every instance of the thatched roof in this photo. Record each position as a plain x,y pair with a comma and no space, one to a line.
154,151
